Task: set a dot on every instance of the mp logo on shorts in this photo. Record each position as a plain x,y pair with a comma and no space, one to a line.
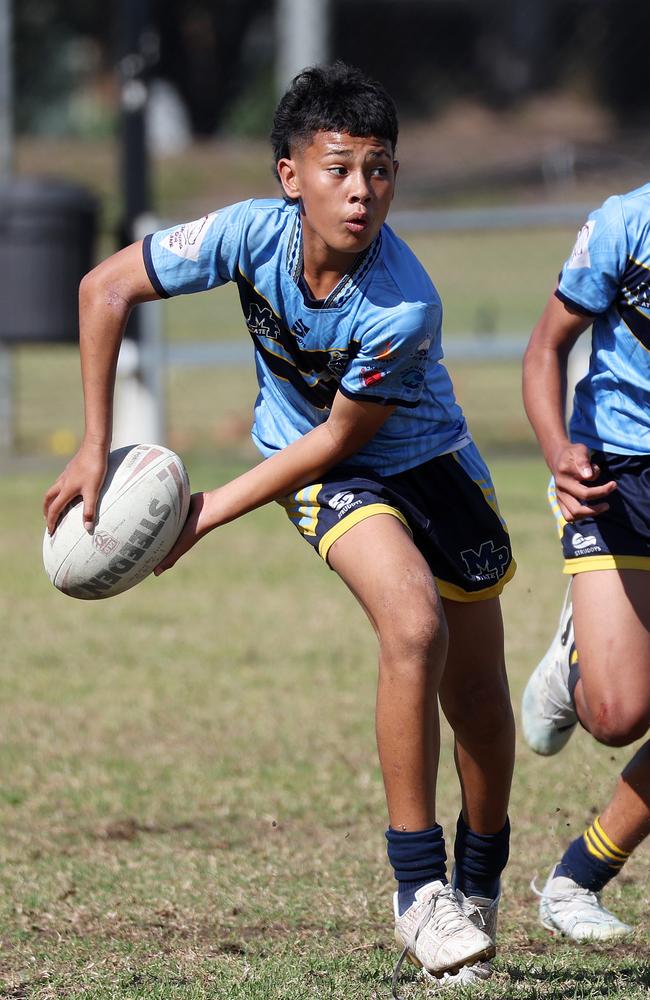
343,502
585,545
489,563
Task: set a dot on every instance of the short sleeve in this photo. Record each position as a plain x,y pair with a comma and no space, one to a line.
196,256
591,277
390,366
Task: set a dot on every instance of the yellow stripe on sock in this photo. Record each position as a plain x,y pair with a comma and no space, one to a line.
597,851
624,855
597,843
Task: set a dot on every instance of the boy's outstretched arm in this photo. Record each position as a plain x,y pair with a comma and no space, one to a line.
544,389
350,425
106,296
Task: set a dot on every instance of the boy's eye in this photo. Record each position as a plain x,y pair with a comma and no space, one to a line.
339,171
379,171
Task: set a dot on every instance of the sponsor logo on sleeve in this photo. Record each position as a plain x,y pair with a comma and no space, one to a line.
422,351
186,241
371,376
580,253
413,378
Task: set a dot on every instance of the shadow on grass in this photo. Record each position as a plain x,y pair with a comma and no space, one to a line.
570,981
574,978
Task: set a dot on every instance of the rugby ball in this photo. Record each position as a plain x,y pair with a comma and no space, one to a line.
142,507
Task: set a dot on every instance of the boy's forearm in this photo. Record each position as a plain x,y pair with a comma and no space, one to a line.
302,462
100,334
545,374
106,297
544,390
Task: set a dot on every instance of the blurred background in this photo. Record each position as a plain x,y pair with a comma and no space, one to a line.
517,117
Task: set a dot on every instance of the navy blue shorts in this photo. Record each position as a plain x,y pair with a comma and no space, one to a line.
619,538
448,504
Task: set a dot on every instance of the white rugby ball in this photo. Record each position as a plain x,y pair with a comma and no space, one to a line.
142,507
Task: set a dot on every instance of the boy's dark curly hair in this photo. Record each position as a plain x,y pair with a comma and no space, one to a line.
336,98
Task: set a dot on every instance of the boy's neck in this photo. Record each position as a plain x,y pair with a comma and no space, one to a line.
323,269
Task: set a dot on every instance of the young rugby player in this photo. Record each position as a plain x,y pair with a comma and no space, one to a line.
597,670
368,452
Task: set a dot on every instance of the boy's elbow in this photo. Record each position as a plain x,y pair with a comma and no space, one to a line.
100,289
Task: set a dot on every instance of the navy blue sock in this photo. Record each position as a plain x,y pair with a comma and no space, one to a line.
417,857
480,859
592,859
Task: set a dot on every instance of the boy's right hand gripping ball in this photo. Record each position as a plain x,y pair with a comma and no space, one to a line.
141,509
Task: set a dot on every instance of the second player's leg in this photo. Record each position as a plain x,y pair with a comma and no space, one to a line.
611,613
610,680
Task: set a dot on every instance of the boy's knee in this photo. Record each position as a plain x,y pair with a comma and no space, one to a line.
483,710
618,726
416,637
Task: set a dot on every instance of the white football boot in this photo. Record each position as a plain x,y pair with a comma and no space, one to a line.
548,715
567,908
436,935
483,912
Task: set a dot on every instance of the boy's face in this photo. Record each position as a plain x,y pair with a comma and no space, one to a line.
345,185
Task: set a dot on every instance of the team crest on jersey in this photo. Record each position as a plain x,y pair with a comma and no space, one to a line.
261,322
580,253
186,241
316,372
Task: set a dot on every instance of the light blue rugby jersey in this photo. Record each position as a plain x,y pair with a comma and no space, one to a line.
608,276
376,337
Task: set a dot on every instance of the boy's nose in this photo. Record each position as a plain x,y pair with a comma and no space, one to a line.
360,189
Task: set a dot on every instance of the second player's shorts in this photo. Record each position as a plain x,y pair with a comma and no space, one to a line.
448,504
619,538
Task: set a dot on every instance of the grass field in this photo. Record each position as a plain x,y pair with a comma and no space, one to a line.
191,804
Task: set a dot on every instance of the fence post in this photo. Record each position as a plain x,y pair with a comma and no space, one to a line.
139,385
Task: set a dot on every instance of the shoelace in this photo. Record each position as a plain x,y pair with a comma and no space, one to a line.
456,921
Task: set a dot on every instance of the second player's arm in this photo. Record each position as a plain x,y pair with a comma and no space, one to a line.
350,425
544,388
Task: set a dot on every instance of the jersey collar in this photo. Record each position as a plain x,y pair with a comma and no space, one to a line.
348,283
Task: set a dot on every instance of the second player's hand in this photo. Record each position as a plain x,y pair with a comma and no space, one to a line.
193,530
573,470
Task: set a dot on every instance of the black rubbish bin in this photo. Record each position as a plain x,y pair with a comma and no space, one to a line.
47,238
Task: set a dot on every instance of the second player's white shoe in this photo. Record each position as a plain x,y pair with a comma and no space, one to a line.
436,935
567,908
548,715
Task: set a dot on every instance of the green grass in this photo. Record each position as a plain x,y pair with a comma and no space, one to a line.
191,804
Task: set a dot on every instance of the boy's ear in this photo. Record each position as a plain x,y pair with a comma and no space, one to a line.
288,178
